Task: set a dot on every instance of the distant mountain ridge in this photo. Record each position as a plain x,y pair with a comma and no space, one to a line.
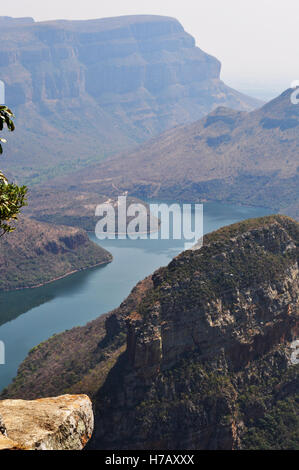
233,156
82,90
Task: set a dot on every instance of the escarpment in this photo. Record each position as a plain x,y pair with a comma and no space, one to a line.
201,354
209,348
117,81
238,294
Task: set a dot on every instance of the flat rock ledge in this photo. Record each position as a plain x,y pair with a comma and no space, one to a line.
60,423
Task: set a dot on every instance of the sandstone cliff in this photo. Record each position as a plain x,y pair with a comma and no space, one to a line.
37,253
115,81
200,355
62,423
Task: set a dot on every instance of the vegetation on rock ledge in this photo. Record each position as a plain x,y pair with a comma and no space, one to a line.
12,197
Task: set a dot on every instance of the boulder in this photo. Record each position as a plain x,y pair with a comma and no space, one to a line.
61,423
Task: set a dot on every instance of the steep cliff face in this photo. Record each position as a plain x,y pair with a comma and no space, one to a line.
240,300
209,361
117,81
61,423
209,348
37,253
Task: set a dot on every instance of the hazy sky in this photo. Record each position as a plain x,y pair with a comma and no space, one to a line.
257,41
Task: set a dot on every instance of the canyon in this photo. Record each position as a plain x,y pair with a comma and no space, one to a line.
199,356
202,353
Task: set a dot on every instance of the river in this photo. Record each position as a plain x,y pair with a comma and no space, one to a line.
31,316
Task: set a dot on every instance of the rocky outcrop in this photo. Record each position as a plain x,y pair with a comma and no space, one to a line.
117,81
40,253
217,322
200,355
62,423
233,307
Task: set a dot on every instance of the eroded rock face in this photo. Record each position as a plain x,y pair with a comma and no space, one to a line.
62,423
119,80
238,304
210,360
209,347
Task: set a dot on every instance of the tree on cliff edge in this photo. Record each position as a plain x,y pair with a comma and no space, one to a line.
12,197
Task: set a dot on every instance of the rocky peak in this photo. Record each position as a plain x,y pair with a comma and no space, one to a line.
237,295
217,320
199,356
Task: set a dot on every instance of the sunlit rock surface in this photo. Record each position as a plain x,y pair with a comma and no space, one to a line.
62,423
